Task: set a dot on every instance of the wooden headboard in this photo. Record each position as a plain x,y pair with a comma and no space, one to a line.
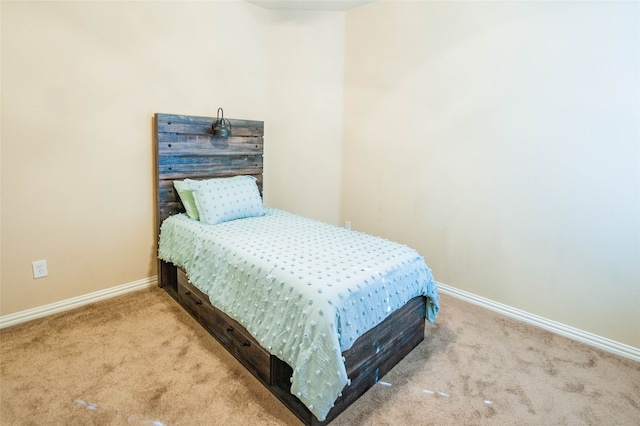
186,148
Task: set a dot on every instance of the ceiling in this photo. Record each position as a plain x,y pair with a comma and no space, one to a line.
316,5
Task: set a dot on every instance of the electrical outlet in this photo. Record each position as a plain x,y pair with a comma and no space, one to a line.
40,269
347,225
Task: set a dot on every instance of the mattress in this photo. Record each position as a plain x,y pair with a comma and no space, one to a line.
304,289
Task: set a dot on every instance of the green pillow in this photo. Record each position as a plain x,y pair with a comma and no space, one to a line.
186,196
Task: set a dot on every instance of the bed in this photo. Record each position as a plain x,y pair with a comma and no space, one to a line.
316,326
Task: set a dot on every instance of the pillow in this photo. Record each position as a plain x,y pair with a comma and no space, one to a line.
186,196
223,199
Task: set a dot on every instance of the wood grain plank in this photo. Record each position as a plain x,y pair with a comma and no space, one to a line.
169,209
372,343
177,145
200,167
173,123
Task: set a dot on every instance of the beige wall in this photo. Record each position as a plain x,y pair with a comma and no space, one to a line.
306,85
501,139
80,84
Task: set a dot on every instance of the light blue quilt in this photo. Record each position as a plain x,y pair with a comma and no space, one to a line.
306,290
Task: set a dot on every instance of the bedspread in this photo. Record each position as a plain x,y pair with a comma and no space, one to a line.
306,290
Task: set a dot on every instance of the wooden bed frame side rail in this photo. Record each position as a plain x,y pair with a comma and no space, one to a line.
372,356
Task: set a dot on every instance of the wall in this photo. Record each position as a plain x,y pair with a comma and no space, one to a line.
501,140
306,86
80,84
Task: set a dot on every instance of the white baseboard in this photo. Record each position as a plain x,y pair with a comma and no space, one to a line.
555,327
75,302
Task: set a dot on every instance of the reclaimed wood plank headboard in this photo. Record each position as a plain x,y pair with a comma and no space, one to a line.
186,148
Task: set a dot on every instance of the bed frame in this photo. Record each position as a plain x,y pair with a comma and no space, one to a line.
186,148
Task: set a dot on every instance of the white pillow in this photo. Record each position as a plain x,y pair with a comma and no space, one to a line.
223,199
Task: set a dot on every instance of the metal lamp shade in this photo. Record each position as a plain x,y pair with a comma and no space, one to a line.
221,127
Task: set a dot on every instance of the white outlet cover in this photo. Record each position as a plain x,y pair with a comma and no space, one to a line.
40,269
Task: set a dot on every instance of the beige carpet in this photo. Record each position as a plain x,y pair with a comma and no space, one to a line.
140,359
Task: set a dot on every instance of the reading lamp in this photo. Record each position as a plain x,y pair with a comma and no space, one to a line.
219,127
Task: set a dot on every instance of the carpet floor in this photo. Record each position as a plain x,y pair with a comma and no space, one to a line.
140,359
